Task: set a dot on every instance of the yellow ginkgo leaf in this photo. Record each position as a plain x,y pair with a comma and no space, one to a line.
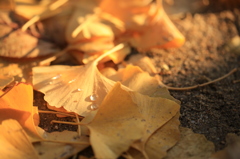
17,104
124,116
143,62
117,124
5,80
14,142
79,89
157,113
61,145
159,142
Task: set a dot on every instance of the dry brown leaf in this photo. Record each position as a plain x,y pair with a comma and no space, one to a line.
143,62
116,125
19,44
17,104
66,144
82,87
232,149
191,146
14,142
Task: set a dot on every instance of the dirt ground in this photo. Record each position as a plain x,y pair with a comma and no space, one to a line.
212,110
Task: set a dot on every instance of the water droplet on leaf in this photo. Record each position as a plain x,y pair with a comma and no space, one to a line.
57,77
93,106
93,97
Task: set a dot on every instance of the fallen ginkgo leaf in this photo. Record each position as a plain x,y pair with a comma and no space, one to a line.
17,104
14,142
61,145
126,115
159,142
157,113
117,124
191,146
82,88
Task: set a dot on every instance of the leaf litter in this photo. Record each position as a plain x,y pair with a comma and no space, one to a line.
124,112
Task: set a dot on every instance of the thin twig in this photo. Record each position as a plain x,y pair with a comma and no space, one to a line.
68,142
236,81
201,85
65,122
79,127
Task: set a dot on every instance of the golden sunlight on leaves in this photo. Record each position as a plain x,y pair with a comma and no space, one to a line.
113,99
117,124
82,88
17,104
14,142
132,118
5,80
64,144
21,45
159,114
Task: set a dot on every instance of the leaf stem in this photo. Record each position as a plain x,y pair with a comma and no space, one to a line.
66,122
68,142
201,85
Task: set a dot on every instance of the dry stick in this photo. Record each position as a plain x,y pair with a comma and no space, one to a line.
65,122
79,128
201,85
68,142
236,81
53,112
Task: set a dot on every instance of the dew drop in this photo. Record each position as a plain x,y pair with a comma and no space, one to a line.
73,80
79,89
57,77
93,106
93,97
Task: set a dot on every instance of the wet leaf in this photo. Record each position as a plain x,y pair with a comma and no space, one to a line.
14,142
17,104
82,87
